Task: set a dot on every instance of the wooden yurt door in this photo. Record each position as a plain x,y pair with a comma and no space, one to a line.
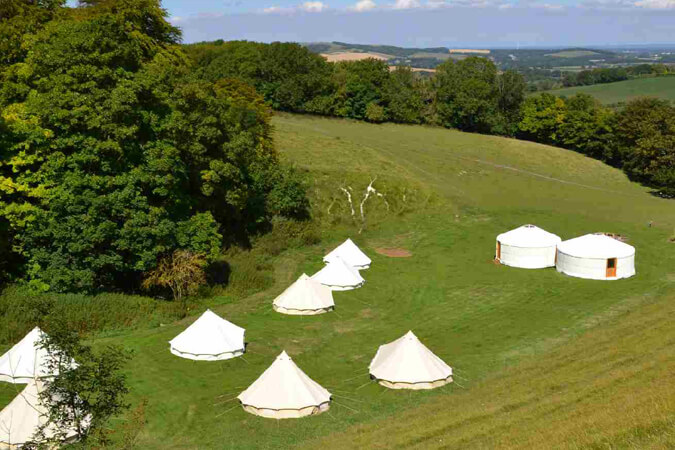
611,268
498,254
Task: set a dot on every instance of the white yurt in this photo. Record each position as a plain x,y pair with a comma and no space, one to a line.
351,254
209,338
339,276
284,391
21,419
406,363
596,256
304,297
25,361
527,247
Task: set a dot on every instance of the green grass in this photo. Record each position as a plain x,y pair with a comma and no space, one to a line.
450,194
624,91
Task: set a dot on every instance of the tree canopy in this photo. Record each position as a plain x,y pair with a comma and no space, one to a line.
116,154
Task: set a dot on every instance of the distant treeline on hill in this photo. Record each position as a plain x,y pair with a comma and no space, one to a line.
610,75
469,95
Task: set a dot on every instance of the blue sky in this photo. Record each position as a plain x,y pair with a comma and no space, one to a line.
429,22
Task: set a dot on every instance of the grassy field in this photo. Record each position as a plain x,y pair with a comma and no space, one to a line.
623,91
536,353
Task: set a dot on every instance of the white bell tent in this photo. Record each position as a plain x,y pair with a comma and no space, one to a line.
25,361
339,276
597,257
527,247
351,254
23,417
284,391
304,297
406,363
209,338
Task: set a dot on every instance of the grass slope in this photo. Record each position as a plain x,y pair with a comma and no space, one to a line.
450,193
623,91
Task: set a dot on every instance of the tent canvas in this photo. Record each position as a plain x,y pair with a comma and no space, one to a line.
21,419
304,297
339,276
25,361
351,254
406,363
209,338
284,391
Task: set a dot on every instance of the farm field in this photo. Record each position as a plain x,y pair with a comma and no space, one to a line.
536,354
353,56
623,91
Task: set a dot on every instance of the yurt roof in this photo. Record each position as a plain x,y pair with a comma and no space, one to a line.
305,294
528,236
210,334
25,360
408,360
596,246
350,253
22,417
338,273
284,386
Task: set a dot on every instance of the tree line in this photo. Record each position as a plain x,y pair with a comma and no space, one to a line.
610,75
469,95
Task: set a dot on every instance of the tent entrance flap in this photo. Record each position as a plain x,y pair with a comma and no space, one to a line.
611,268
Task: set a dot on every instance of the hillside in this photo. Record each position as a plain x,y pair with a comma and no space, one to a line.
623,91
449,194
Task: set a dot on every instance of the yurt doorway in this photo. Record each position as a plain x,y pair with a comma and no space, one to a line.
498,254
611,268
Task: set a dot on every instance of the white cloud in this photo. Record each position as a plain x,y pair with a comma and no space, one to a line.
274,10
175,19
656,4
363,5
407,4
314,6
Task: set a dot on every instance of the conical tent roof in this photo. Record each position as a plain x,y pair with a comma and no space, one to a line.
284,387
25,361
209,338
305,296
339,275
406,360
20,420
528,236
597,246
351,254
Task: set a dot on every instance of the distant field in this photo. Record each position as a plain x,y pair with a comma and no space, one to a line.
573,54
442,56
354,56
623,91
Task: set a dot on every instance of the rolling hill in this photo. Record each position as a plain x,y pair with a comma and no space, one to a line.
539,357
623,91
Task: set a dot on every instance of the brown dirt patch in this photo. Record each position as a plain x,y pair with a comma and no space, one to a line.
394,252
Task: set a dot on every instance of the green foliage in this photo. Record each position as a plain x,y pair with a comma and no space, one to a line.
579,123
466,94
115,155
286,74
646,133
360,84
82,396
403,96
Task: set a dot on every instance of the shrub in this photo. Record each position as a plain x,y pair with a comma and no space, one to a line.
182,272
